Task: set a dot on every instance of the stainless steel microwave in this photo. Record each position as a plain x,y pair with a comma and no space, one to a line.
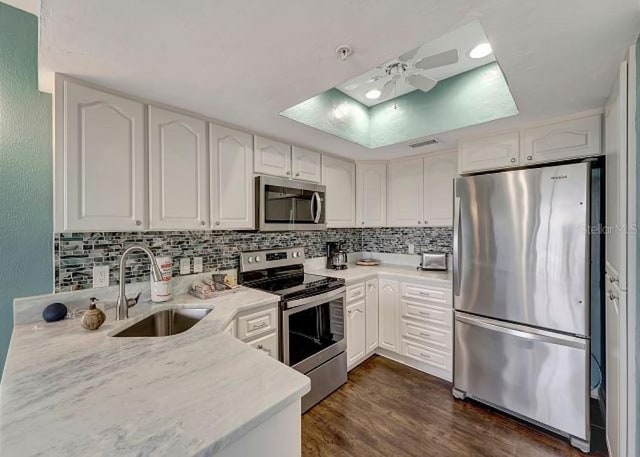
286,204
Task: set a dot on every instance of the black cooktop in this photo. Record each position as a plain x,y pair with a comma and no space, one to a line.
294,284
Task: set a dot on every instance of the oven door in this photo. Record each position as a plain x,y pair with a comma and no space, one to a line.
313,330
284,204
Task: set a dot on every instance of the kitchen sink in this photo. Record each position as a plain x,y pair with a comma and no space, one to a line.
166,322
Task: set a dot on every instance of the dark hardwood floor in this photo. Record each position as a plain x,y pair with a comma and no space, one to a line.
388,409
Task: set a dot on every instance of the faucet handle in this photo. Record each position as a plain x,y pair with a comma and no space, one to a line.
133,301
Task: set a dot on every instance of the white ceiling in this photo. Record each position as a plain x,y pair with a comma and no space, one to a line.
464,39
244,61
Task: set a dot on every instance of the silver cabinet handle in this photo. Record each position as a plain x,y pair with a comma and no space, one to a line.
513,159
426,356
256,327
202,222
424,313
419,222
260,346
612,280
529,158
426,222
138,222
426,335
298,174
217,222
362,222
288,173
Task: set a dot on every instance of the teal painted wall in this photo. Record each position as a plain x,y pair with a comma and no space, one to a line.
25,170
474,97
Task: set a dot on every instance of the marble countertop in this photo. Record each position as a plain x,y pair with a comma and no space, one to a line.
358,273
70,392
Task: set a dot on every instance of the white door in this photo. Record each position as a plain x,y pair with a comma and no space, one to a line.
232,196
406,192
371,313
498,151
178,171
339,176
616,371
355,333
306,164
371,194
563,140
100,176
271,157
616,182
389,325
439,172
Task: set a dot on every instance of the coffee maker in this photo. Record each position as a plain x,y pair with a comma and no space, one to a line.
336,255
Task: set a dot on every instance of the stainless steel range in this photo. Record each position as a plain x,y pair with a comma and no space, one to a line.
312,316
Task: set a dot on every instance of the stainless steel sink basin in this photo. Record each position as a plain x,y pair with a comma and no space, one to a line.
165,323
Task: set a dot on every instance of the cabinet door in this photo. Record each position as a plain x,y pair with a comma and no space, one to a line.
99,161
356,348
616,182
371,194
616,370
232,196
306,164
339,176
499,151
371,314
439,172
271,157
389,325
406,192
564,140
178,172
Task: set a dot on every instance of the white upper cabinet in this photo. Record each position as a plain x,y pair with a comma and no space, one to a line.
406,192
306,164
499,151
178,171
272,157
439,171
231,161
561,141
371,194
339,176
100,175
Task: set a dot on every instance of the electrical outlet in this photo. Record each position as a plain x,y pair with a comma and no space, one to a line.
197,264
412,248
101,276
185,266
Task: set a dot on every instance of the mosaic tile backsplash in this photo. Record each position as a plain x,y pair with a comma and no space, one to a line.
75,254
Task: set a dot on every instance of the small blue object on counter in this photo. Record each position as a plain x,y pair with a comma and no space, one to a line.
55,312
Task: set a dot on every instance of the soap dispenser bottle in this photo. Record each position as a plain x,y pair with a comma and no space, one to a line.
94,317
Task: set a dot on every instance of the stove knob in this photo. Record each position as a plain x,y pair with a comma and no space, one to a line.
250,259
258,258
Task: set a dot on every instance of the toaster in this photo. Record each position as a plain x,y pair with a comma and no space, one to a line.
433,261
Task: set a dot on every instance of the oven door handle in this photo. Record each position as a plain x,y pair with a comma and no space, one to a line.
314,300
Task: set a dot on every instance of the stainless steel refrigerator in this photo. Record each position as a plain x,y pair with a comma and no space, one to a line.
521,294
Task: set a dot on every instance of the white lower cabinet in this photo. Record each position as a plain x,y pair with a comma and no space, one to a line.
258,328
356,340
371,315
268,344
389,315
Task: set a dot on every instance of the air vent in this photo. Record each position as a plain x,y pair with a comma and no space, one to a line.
427,142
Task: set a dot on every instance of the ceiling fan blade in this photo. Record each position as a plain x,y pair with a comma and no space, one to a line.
388,87
408,55
438,60
421,82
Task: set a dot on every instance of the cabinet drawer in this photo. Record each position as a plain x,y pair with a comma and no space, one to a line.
355,292
427,313
268,344
425,354
257,323
433,295
432,336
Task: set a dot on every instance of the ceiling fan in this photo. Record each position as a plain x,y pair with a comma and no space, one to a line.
411,70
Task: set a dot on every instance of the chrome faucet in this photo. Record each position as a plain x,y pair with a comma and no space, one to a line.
123,304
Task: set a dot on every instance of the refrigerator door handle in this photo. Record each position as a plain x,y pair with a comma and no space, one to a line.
456,247
520,331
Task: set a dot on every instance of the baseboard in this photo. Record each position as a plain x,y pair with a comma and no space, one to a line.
442,374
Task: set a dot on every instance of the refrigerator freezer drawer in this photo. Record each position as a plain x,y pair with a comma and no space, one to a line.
537,374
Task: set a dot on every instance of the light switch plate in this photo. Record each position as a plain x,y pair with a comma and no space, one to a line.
412,248
197,264
185,266
101,276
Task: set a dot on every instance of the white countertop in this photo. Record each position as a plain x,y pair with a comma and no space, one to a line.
358,273
71,392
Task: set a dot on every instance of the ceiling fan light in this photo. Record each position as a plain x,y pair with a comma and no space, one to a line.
480,51
373,94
